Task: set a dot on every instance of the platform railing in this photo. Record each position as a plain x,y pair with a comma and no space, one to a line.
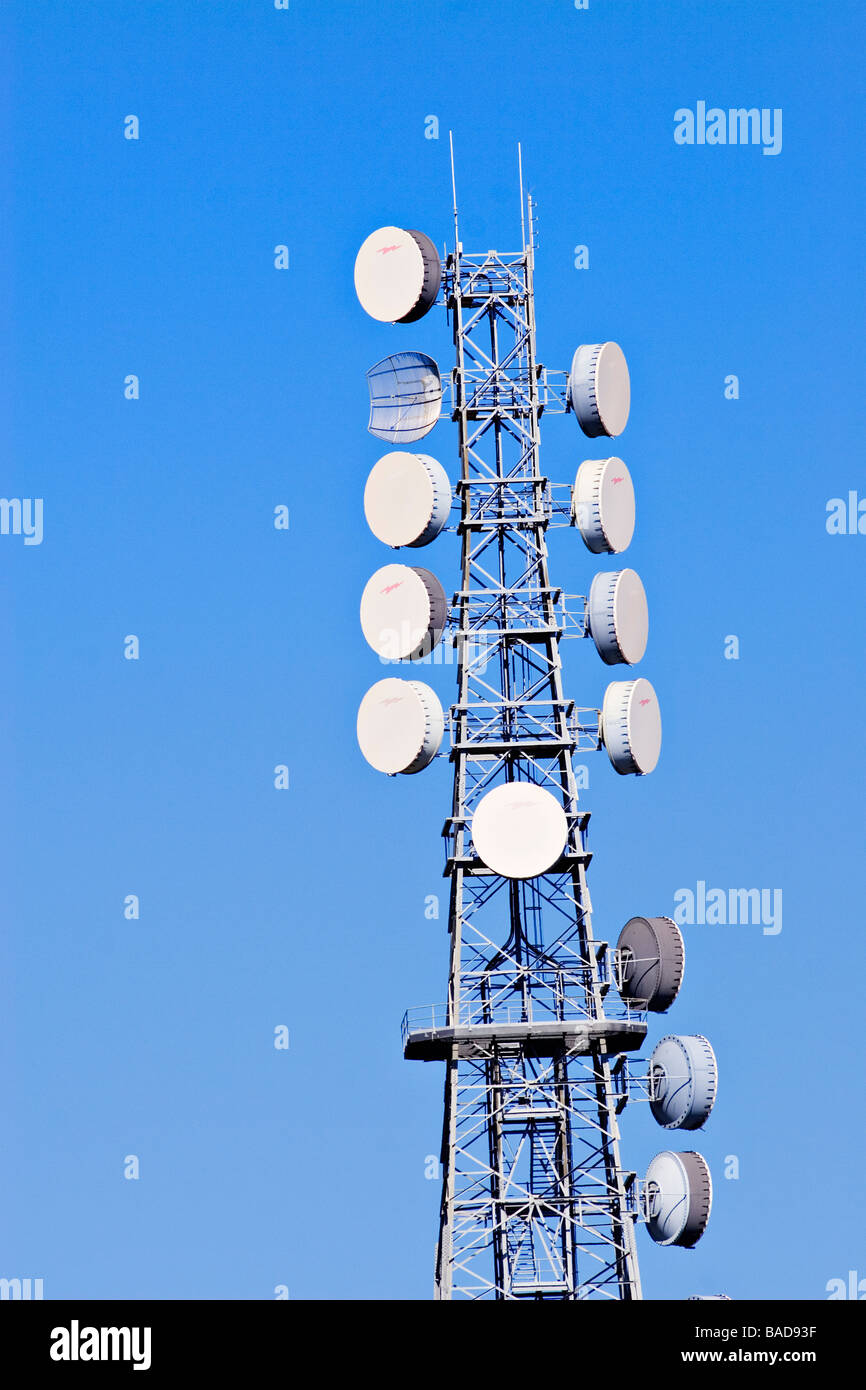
475,1012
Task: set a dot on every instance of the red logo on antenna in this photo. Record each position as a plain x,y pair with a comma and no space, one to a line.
644,702
392,700
389,588
616,480
383,250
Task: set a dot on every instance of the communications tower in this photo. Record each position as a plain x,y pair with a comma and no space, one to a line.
536,1201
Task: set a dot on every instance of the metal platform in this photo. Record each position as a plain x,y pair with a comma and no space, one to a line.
573,1037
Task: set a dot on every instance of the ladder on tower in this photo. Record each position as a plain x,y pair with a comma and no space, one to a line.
535,1267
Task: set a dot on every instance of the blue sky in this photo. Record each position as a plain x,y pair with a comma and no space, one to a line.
305,907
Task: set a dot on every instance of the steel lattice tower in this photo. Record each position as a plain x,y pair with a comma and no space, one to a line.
535,1203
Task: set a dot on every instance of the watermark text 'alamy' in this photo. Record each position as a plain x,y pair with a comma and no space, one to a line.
738,125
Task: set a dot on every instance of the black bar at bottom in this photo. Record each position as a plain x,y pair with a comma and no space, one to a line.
322,1341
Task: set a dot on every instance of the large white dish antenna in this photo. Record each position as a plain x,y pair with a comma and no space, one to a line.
599,388
400,726
684,1079
397,275
618,617
603,505
677,1197
631,726
519,830
405,397
650,961
403,612
407,499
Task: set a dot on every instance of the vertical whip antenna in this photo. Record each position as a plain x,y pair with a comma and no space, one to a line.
454,190
520,173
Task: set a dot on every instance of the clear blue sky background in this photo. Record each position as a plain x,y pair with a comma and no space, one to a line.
306,907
